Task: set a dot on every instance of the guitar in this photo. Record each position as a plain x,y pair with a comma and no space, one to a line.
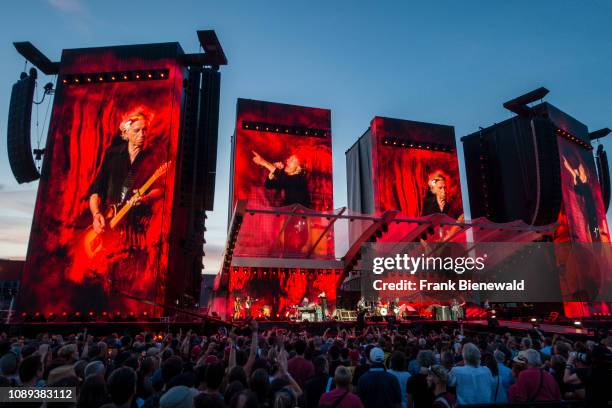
93,242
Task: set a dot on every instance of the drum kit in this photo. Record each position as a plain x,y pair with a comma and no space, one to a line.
382,309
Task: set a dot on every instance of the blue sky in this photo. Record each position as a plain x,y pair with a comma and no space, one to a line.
449,62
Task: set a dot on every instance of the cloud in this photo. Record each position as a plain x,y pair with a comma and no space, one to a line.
75,12
16,209
67,6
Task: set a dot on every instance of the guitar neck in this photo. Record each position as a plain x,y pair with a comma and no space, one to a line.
128,206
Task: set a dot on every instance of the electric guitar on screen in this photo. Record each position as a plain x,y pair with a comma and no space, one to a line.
94,242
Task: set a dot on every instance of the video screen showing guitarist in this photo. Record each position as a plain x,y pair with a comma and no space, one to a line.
121,198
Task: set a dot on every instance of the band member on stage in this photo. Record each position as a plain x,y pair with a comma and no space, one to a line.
290,178
456,309
583,189
435,198
361,304
305,302
248,302
323,298
237,308
128,163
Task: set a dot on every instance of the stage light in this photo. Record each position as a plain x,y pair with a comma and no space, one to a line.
162,75
125,77
577,323
113,78
76,80
65,81
149,75
533,319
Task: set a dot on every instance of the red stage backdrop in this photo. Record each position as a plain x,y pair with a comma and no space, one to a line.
415,168
282,157
110,103
582,219
583,202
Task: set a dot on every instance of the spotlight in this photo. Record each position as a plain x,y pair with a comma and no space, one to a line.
577,323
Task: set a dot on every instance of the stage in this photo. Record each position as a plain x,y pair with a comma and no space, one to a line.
211,325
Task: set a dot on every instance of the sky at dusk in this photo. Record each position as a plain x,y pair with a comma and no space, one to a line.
444,62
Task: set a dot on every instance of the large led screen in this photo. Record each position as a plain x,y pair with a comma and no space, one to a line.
415,168
282,160
584,271
102,219
583,203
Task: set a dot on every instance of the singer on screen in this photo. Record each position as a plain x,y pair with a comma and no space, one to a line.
290,178
582,188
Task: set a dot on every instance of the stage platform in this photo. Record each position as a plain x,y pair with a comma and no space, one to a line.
211,325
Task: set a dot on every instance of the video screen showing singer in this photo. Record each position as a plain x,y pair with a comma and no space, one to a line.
290,178
435,200
582,188
119,211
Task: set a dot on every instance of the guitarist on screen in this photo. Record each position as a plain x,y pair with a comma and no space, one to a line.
127,165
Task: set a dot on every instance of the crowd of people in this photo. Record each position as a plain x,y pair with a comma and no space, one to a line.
340,368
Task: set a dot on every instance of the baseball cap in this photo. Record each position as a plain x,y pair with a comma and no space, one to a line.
377,355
